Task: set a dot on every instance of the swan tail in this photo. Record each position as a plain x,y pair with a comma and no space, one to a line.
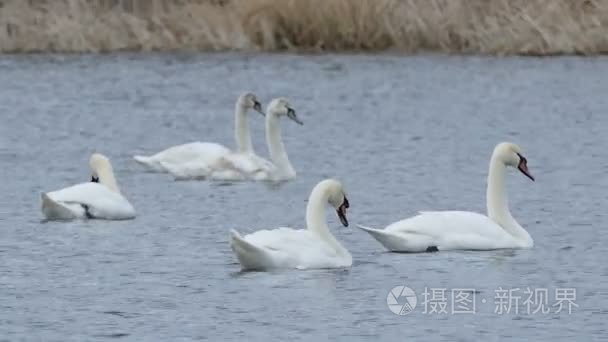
386,239
250,256
370,229
54,210
402,242
149,163
142,159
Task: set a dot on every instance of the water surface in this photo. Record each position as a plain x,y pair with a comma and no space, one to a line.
402,133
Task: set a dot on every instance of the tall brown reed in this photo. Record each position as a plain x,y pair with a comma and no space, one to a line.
538,27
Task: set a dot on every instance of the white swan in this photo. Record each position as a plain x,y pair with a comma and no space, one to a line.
98,199
314,247
450,230
196,159
257,168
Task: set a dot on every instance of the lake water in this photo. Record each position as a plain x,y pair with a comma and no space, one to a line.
402,133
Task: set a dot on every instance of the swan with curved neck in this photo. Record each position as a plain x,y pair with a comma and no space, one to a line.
314,247
505,154
196,159
279,167
103,172
98,199
449,230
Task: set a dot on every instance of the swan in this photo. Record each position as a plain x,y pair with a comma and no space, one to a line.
433,231
98,199
194,160
310,248
258,168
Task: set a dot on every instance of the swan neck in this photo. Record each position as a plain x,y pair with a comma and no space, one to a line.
496,196
497,201
241,130
275,145
106,177
316,220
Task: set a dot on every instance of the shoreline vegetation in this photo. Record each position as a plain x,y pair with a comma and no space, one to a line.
493,27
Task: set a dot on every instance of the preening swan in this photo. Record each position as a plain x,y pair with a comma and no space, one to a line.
450,230
314,247
196,159
257,168
98,199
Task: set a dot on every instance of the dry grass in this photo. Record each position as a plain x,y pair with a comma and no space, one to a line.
538,27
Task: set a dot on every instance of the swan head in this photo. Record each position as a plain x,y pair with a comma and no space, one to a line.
511,155
337,198
280,107
250,101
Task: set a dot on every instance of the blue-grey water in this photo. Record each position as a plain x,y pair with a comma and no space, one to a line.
402,133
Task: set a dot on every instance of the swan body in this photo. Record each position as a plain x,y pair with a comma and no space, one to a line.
311,248
239,166
197,159
462,230
99,199
184,159
256,168
445,230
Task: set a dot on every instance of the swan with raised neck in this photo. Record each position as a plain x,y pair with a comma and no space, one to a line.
433,231
242,133
276,109
505,154
194,159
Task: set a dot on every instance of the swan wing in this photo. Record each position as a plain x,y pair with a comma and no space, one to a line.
282,238
92,200
194,169
204,152
437,223
290,248
245,165
54,210
442,230
227,175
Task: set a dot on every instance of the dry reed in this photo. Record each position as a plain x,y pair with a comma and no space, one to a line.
537,27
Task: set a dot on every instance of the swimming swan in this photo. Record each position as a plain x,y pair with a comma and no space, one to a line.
98,199
279,168
310,248
453,230
194,160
